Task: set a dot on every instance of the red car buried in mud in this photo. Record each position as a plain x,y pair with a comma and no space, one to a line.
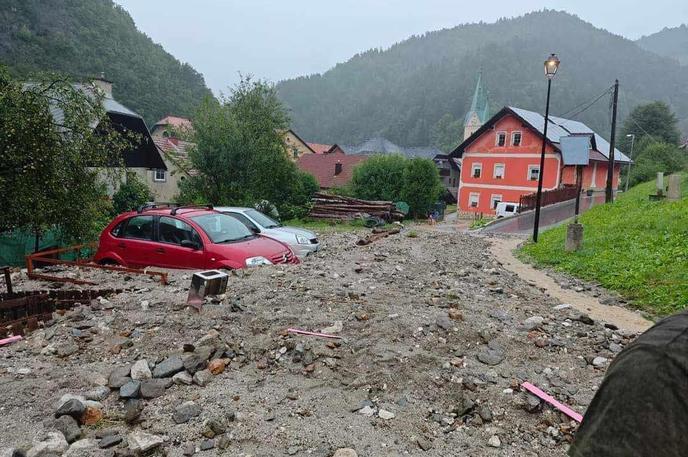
186,237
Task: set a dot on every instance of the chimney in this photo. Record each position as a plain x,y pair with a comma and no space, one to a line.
337,168
104,85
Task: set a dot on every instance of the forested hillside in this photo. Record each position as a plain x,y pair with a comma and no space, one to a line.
669,42
86,37
403,92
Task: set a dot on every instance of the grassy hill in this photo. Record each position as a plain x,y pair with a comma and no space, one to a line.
83,38
402,92
636,247
669,42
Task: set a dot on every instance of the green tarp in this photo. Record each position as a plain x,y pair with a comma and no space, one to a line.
14,246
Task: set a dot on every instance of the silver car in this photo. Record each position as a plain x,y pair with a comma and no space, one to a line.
302,242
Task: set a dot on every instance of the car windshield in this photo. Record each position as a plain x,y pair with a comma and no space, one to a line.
262,219
221,228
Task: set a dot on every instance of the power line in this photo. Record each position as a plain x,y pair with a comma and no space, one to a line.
589,104
628,116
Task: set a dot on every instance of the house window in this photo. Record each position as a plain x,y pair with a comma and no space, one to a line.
499,171
501,139
533,172
495,200
473,199
476,170
159,175
516,138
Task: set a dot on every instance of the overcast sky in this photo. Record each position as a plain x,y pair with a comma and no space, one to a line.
279,39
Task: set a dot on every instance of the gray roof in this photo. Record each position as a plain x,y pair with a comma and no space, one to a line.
381,145
559,127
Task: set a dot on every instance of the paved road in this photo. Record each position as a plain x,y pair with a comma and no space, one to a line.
550,216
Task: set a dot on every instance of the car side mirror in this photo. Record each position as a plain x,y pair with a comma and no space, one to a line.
255,230
190,244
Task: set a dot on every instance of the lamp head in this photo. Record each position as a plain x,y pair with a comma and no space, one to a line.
551,66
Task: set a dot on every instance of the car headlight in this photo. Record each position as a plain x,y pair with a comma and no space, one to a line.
302,239
257,261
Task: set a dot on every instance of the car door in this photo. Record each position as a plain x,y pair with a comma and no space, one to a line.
170,253
135,244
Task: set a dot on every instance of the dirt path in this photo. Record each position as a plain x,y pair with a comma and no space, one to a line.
502,249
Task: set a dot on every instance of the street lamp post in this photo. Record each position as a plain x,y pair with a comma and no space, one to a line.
551,67
628,172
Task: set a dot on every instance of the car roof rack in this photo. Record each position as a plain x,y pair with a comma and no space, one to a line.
148,206
175,209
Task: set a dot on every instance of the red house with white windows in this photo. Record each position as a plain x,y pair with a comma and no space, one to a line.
500,161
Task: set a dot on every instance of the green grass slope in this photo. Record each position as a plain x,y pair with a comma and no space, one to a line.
636,247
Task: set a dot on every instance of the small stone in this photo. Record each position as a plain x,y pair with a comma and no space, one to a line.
207,444
109,441
533,322
494,441
367,411
385,415
455,314
532,403
168,367
143,442
132,410
615,348
130,389
91,416
424,444
217,366
189,449
202,378
194,363
485,413
73,408
82,448
223,441
67,348
69,427
153,388
98,394
53,443
491,356
345,452
140,370
119,376
444,323
182,378
212,428
599,362
584,318
337,327
185,412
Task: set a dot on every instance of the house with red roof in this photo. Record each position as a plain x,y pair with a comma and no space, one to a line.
331,170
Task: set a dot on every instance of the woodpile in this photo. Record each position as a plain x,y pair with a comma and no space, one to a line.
377,234
337,207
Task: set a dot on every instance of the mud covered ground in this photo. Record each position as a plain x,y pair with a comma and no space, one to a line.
436,339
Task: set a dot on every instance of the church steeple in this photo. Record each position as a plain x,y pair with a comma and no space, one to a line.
480,109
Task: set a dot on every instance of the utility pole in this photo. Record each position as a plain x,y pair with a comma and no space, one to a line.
609,194
628,171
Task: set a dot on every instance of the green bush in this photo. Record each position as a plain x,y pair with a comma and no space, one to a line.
379,178
130,195
396,178
421,186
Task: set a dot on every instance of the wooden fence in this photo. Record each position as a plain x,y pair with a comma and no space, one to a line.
549,197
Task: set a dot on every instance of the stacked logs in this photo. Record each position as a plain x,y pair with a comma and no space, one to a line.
337,207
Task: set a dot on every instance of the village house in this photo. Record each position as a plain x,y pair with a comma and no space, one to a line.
319,148
142,156
296,147
450,172
500,161
330,170
170,135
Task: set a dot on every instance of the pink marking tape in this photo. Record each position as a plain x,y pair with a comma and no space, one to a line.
12,339
305,332
552,401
